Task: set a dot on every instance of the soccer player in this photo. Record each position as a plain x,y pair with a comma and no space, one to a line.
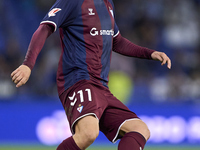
89,34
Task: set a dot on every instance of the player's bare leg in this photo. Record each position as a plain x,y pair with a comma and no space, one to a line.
86,131
135,134
135,126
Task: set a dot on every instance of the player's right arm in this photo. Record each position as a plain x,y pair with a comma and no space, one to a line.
61,14
21,75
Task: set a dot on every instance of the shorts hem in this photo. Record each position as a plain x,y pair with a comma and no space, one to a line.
115,139
88,114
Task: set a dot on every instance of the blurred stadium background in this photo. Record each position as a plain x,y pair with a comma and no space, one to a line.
32,117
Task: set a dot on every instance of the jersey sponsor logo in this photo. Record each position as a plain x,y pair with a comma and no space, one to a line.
91,11
95,32
53,12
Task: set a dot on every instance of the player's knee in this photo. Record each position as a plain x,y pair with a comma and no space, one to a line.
136,126
88,137
147,133
144,130
86,131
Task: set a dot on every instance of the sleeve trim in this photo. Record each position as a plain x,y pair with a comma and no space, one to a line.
116,34
50,22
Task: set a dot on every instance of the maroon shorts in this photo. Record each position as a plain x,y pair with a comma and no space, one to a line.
87,98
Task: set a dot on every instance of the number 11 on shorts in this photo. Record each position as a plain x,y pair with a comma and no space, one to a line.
80,93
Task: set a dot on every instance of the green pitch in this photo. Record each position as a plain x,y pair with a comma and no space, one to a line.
95,148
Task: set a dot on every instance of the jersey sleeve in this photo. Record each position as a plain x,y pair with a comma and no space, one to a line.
116,29
123,46
61,13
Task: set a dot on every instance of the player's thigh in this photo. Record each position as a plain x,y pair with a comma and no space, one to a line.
81,100
87,127
135,125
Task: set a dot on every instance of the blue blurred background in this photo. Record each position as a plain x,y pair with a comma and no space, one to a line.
167,100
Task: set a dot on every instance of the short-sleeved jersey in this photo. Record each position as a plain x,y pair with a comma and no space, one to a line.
87,29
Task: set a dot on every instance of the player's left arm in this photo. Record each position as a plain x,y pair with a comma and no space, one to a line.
162,57
123,46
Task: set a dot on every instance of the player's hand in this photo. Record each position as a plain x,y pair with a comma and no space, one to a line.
21,75
162,57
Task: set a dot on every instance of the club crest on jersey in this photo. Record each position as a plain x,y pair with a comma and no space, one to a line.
80,108
91,11
53,12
